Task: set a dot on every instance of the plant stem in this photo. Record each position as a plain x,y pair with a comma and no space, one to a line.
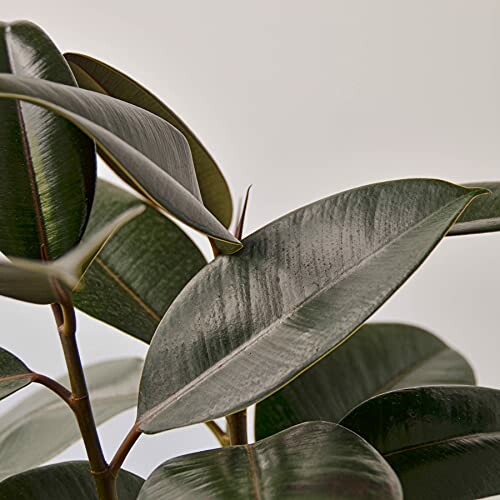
237,428
54,386
221,436
122,452
80,402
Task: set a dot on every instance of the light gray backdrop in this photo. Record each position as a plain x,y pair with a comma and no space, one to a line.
303,99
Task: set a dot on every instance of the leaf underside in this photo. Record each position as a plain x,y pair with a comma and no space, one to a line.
144,150
14,374
482,216
95,75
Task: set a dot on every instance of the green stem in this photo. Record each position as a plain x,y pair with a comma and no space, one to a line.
237,428
80,402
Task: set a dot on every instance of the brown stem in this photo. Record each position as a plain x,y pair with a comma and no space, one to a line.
124,449
237,428
221,436
54,386
80,402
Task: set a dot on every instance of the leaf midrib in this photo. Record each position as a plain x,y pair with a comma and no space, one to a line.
35,194
170,116
442,442
86,126
17,377
127,289
151,414
253,469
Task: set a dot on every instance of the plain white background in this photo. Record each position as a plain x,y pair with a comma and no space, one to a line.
302,100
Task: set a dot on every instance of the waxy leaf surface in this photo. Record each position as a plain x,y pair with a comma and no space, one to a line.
145,150
141,268
49,282
316,460
246,325
95,75
64,481
381,357
47,165
443,442
14,374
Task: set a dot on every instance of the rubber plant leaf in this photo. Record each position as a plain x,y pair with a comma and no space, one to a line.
381,357
92,74
247,325
144,150
48,166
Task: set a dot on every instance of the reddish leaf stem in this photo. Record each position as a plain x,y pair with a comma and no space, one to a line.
54,386
124,449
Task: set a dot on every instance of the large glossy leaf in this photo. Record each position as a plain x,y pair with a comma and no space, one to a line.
42,425
46,282
14,374
47,165
145,150
316,460
379,358
443,442
483,215
140,270
244,326
95,75
63,481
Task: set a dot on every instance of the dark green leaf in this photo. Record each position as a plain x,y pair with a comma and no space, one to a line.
64,481
483,215
47,165
145,150
379,358
14,374
443,442
95,75
140,270
317,460
42,426
246,325
47,282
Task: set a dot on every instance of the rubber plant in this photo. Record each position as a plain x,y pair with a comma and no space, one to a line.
344,408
